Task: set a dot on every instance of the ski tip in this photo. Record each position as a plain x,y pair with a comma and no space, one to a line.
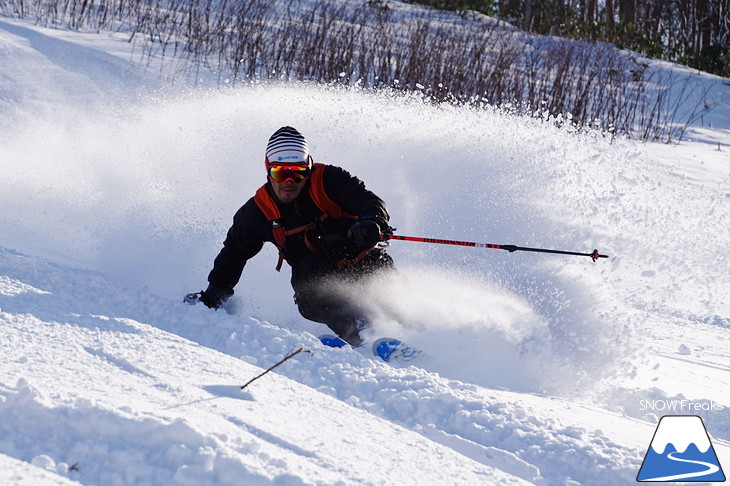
391,349
332,341
385,347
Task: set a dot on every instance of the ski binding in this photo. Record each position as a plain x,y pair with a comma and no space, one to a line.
193,298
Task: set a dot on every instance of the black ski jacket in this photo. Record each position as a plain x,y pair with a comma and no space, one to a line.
251,229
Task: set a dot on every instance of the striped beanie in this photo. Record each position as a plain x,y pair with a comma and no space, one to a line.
287,146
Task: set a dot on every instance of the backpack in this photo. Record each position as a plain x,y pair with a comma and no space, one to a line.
329,208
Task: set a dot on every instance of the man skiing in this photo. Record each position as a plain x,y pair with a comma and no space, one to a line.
327,226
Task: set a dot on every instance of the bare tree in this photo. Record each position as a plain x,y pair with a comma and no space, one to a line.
585,84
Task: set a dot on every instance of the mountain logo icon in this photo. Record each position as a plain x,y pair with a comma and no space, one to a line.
681,451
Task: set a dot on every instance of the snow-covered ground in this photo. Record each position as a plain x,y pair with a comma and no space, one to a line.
117,191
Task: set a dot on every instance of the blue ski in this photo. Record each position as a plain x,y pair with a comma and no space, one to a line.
390,349
387,349
332,341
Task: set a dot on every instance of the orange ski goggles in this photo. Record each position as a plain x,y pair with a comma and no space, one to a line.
283,173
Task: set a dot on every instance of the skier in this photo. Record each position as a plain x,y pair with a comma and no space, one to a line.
327,226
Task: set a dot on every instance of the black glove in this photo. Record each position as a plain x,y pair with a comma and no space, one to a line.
366,233
214,297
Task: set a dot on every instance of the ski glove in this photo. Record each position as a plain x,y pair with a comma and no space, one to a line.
366,233
214,297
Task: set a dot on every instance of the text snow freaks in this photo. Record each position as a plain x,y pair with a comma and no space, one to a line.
679,405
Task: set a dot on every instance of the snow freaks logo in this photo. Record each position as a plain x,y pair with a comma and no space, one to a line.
679,406
681,451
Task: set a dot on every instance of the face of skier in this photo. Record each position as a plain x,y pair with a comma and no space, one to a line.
288,179
288,191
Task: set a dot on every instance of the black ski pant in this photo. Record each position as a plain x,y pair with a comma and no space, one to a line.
328,294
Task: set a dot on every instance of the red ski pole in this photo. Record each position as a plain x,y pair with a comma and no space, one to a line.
510,248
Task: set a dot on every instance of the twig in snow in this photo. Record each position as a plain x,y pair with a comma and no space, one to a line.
289,356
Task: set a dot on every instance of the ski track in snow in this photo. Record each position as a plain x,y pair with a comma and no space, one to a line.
115,203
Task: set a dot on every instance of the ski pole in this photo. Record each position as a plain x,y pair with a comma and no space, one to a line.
510,248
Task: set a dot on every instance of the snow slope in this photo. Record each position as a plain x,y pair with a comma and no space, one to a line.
117,192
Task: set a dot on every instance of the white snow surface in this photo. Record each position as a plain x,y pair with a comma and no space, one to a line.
117,190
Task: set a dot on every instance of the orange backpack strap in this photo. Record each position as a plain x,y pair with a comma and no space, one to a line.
331,209
320,197
267,206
